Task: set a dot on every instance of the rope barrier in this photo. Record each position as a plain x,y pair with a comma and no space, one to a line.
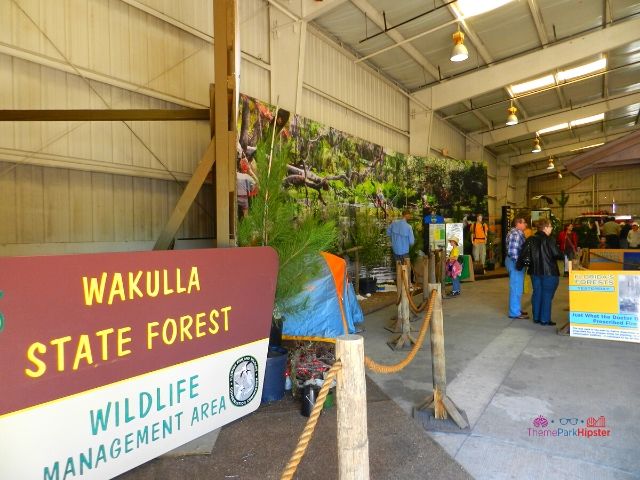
305,436
412,305
378,368
307,433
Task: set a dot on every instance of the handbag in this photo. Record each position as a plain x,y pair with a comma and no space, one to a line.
524,259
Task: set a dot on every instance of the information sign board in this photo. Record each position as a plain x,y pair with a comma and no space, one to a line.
605,304
109,360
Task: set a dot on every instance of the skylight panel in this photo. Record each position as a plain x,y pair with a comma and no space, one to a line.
469,8
560,126
582,70
532,84
585,120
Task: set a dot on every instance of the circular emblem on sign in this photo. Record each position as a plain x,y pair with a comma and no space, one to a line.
243,380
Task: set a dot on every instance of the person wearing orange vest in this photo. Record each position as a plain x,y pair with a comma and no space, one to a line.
479,231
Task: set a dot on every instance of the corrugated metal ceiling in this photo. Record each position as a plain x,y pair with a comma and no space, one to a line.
509,32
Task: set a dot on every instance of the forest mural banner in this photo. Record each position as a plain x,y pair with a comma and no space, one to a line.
329,168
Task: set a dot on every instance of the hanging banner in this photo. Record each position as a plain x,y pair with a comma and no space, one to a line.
605,305
110,360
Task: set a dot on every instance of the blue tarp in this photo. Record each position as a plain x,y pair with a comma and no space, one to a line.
323,316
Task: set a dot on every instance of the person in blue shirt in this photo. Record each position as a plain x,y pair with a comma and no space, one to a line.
401,235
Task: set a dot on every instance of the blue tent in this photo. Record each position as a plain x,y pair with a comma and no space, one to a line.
332,306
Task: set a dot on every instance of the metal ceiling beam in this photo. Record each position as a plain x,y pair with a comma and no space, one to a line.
369,10
317,9
530,127
625,150
536,16
537,172
537,21
558,150
496,76
94,115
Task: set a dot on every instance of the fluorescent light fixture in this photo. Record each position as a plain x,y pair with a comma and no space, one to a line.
560,126
585,120
582,70
588,146
459,52
536,145
468,8
533,84
512,118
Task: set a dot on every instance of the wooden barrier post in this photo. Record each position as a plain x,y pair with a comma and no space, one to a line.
432,268
395,323
357,272
403,322
425,277
438,400
351,391
442,267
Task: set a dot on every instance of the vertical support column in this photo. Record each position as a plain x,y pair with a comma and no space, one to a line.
224,17
351,390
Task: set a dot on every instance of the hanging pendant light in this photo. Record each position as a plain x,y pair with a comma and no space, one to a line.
459,52
559,174
550,166
512,119
536,145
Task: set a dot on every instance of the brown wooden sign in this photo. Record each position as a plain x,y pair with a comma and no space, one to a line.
73,323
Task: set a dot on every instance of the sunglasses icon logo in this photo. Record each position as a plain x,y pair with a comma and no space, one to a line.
569,421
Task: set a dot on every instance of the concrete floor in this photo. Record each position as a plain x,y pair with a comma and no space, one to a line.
503,373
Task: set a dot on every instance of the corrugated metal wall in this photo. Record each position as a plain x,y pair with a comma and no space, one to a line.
53,205
83,185
446,139
596,192
342,94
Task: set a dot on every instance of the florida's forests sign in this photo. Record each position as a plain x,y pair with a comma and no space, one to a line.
109,360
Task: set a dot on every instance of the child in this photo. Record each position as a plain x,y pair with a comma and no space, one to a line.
454,269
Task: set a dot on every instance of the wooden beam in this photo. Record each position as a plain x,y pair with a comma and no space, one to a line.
224,28
110,115
168,234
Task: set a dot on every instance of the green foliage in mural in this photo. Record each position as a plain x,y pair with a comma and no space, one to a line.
328,170
275,219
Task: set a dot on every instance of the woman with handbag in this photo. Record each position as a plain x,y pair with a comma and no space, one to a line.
541,253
